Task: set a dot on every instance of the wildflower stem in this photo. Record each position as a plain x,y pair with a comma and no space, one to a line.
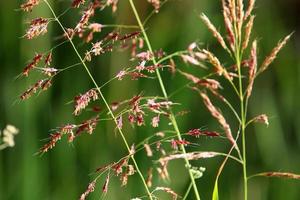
162,86
104,100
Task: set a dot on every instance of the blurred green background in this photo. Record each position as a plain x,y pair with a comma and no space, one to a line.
65,171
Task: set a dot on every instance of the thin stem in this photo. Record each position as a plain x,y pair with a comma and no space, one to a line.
243,124
103,98
188,191
162,86
178,53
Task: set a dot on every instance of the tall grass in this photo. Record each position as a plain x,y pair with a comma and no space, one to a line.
236,77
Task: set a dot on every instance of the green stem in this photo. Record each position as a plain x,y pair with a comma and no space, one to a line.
162,86
188,191
103,98
243,124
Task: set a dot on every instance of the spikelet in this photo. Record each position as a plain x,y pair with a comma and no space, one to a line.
249,9
77,3
248,30
240,16
219,69
216,114
273,54
90,189
189,156
29,5
252,68
231,5
228,25
213,30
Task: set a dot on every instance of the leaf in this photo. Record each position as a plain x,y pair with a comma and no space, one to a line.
216,190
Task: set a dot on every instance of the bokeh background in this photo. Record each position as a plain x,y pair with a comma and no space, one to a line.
65,172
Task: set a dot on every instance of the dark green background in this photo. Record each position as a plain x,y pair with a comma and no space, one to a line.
63,173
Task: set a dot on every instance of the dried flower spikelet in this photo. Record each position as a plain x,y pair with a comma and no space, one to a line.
191,47
213,30
197,133
169,191
41,84
105,185
249,10
148,150
280,175
263,118
77,3
155,4
87,14
228,25
252,68
219,69
149,177
48,59
190,59
90,189
190,77
248,30
28,6
172,66
155,121
113,3
189,156
37,27
54,138
49,71
37,58
82,101
97,48
274,53
163,170
121,75
216,114
89,126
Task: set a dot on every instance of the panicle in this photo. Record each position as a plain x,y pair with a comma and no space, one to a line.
28,6
43,84
249,10
228,25
54,138
240,16
252,68
37,58
274,53
248,30
213,30
90,189
219,69
197,133
87,14
216,114
263,118
77,3
82,101
37,27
